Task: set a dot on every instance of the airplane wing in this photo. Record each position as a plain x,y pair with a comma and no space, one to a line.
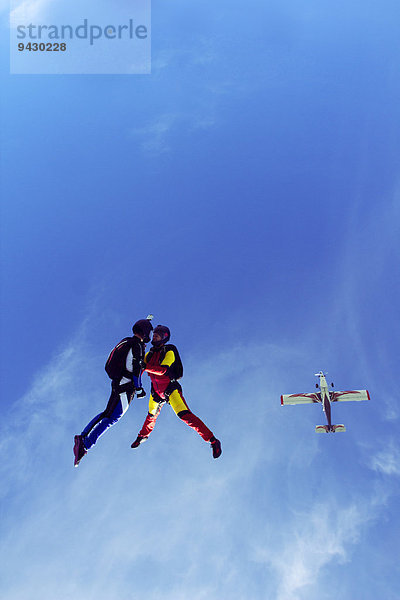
354,395
299,399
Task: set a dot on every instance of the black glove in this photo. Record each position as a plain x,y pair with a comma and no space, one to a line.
140,393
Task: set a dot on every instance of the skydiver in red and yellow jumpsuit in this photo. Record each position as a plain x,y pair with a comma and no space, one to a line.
162,364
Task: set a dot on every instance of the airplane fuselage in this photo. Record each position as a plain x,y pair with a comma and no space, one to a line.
325,398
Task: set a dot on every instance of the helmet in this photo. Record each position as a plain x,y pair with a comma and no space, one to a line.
143,327
165,334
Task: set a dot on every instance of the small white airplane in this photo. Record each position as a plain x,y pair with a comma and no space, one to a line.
325,397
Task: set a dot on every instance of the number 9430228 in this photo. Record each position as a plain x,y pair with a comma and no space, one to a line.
42,47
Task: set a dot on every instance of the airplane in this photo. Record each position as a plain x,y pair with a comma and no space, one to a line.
325,397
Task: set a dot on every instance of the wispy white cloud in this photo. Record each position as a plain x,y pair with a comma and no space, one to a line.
40,418
368,295
157,136
202,109
324,534
154,137
387,460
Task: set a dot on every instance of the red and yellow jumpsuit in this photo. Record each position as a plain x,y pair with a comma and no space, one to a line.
164,389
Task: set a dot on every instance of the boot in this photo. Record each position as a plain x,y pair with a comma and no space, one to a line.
79,449
216,447
139,440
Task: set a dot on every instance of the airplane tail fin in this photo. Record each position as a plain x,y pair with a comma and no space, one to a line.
325,428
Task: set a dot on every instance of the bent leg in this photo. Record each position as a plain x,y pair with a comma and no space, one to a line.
182,410
117,406
150,421
92,424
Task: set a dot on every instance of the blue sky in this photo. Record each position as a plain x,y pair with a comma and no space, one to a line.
247,194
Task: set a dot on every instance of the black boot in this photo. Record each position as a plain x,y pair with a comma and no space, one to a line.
216,447
79,449
139,440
